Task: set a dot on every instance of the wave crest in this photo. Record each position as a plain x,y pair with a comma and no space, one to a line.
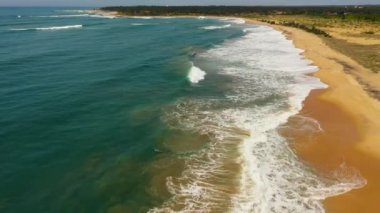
248,166
79,15
50,28
195,74
216,27
235,20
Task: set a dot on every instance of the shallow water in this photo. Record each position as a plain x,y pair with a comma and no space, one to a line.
146,114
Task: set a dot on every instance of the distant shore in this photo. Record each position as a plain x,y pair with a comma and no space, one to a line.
104,13
348,115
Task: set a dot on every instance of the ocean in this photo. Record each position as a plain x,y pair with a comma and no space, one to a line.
142,114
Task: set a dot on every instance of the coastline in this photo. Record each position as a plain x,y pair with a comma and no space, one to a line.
348,115
350,120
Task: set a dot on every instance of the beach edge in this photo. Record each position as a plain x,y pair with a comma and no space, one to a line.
359,112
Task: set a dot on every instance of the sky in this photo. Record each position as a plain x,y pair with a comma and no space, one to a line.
98,3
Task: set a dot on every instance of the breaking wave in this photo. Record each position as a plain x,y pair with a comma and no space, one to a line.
70,11
216,27
79,15
234,20
248,166
50,28
196,74
141,17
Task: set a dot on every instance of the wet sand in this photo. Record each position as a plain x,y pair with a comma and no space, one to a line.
350,141
350,120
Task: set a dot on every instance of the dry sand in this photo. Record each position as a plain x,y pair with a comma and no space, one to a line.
344,91
350,119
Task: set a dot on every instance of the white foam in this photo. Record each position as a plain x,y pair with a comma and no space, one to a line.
18,16
102,16
216,27
50,28
195,74
71,11
234,20
201,17
79,15
165,17
141,17
61,27
138,24
63,16
267,84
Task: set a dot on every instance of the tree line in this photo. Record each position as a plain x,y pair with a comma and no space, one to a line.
365,13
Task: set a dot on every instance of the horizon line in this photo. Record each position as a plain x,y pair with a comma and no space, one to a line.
295,5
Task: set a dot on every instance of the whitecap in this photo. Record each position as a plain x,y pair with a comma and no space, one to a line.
141,17
195,74
216,27
79,15
70,11
61,27
267,84
139,24
234,20
50,28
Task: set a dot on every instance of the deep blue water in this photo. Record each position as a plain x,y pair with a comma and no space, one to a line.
81,108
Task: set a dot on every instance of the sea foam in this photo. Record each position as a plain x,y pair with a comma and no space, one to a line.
70,11
61,27
50,28
138,24
79,16
216,27
267,84
195,74
141,17
234,20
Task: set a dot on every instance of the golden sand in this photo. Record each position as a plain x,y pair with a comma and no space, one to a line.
350,119
344,91
337,145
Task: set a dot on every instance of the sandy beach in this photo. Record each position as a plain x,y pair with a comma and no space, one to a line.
191,107
349,115
350,120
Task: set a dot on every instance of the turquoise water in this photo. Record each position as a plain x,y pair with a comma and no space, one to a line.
71,101
107,114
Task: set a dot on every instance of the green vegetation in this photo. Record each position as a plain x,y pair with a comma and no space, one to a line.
264,14
358,39
308,28
366,55
366,13
347,29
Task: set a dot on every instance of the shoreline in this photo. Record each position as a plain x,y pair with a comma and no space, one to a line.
348,115
350,119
